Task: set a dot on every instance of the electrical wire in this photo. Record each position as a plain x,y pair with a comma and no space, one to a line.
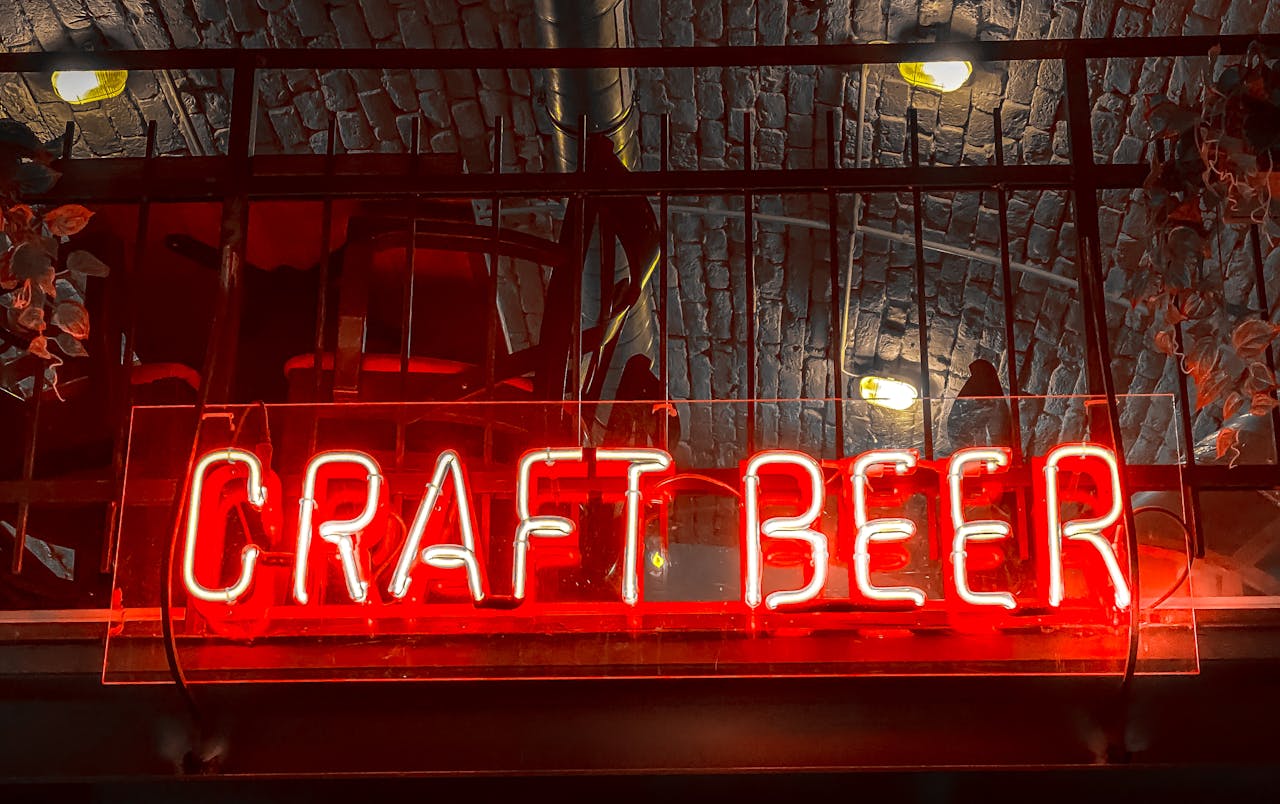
1190,553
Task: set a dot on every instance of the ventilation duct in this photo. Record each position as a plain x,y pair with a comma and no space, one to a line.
604,95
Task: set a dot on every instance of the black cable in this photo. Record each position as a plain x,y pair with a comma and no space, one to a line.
1186,535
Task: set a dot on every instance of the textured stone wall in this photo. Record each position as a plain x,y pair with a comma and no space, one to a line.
374,111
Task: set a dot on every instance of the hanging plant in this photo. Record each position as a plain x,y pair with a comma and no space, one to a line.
42,287
1218,163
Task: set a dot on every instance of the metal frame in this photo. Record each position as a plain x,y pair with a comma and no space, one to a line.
240,176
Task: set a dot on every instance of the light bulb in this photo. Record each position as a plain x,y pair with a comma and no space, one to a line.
87,86
939,76
888,393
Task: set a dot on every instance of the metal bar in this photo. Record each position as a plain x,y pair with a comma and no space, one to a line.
31,437
1006,297
664,277
748,233
582,239
225,330
306,176
1086,205
1097,336
538,58
491,313
124,375
410,254
922,324
1264,309
325,269
833,258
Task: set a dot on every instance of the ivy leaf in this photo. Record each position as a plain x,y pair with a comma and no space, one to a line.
70,346
1232,405
1201,360
30,261
67,220
1263,403
1166,342
1251,338
1211,389
1226,441
1166,118
47,283
32,318
1258,378
87,264
1196,305
22,138
34,178
72,318
39,347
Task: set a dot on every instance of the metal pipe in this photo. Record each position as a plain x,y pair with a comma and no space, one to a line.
602,94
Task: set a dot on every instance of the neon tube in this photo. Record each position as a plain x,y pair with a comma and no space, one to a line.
798,527
642,462
980,530
340,533
442,556
257,494
530,526
880,531
1088,531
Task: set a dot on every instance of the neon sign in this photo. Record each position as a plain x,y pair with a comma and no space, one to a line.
783,497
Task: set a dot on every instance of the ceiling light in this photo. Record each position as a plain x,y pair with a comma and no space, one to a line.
939,76
87,86
888,393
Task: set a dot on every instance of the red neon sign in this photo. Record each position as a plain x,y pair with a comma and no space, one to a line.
331,532
395,541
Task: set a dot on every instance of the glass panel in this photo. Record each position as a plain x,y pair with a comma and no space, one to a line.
578,601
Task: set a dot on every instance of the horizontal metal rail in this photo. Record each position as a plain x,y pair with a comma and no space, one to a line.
306,176
733,56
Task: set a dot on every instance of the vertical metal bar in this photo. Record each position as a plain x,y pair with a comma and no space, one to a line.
219,368
1086,205
491,314
917,202
1011,349
1190,497
28,465
1264,309
33,418
410,265
664,276
325,268
408,287
749,235
1006,296
581,239
123,304
1085,190
833,258
491,291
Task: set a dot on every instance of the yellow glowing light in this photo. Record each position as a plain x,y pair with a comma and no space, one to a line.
940,76
87,86
658,561
888,393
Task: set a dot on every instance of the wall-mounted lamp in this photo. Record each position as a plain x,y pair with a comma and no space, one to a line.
888,393
87,86
939,76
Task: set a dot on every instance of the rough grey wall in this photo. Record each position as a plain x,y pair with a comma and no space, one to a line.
374,110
